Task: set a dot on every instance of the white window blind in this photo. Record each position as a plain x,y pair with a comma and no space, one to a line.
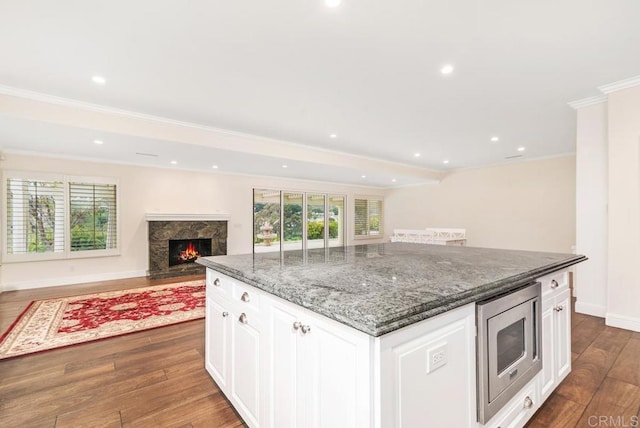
368,217
35,216
92,216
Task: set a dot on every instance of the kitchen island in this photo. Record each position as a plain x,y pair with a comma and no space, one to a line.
372,335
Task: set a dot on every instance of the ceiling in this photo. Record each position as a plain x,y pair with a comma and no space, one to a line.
296,72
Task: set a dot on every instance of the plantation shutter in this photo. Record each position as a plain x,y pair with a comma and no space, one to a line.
92,216
368,217
35,216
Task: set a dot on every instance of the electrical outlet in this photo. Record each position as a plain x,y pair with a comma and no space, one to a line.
436,357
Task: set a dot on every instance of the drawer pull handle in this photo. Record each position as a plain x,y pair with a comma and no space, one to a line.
554,283
243,318
245,297
528,402
216,282
559,308
297,325
305,329
225,314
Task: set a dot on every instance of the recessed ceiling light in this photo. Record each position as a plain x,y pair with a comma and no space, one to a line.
364,176
446,161
98,80
332,3
416,155
494,139
215,167
393,180
174,162
447,69
521,149
285,166
98,142
333,136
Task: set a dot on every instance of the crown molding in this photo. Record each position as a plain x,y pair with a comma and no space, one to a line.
619,85
586,102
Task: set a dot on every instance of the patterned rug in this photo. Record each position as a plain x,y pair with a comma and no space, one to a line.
54,323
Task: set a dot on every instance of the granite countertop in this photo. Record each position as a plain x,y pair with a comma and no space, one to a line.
379,288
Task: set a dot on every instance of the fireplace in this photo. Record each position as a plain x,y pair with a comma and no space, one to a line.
183,251
177,240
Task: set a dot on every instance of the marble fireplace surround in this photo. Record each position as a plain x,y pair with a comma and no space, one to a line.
163,227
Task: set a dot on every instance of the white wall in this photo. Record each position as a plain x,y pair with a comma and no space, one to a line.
154,190
624,209
528,205
591,209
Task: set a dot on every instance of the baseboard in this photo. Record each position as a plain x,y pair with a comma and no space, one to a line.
622,321
26,285
591,309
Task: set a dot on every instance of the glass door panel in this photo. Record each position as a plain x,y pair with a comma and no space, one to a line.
315,221
292,217
336,220
266,221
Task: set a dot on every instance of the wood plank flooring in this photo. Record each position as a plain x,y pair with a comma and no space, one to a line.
156,378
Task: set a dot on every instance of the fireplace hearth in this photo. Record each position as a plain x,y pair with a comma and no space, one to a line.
176,242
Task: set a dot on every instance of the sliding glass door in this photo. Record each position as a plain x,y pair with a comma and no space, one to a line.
297,220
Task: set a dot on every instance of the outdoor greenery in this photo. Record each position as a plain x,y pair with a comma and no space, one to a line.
292,220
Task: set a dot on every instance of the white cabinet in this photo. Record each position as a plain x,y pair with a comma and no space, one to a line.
234,347
556,331
428,373
320,377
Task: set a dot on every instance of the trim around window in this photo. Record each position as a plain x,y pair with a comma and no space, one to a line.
368,215
53,216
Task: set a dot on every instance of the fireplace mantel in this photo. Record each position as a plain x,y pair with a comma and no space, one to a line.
186,217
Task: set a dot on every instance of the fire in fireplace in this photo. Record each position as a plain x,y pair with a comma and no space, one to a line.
183,251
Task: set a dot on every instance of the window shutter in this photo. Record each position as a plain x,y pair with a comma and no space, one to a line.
35,216
92,216
368,217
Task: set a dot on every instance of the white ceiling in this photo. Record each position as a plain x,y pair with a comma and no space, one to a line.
297,71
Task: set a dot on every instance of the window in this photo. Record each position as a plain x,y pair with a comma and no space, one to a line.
304,220
92,213
368,217
53,217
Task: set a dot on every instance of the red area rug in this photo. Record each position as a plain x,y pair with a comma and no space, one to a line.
54,323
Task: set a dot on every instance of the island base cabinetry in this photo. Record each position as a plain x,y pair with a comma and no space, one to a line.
556,331
284,366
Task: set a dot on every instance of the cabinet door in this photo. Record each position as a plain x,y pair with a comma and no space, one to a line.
548,348
563,334
335,375
245,367
286,408
216,342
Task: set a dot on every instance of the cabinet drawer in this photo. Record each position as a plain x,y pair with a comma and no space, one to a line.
554,282
219,285
516,413
246,298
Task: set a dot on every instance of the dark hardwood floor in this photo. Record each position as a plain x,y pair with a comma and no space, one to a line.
156,378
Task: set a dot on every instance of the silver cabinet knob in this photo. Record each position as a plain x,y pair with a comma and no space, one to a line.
243,318
558,308
245,297
305,329
297,325
225,314
216,282
528,402
554,283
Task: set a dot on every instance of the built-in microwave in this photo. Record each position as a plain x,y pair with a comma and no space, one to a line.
508,346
